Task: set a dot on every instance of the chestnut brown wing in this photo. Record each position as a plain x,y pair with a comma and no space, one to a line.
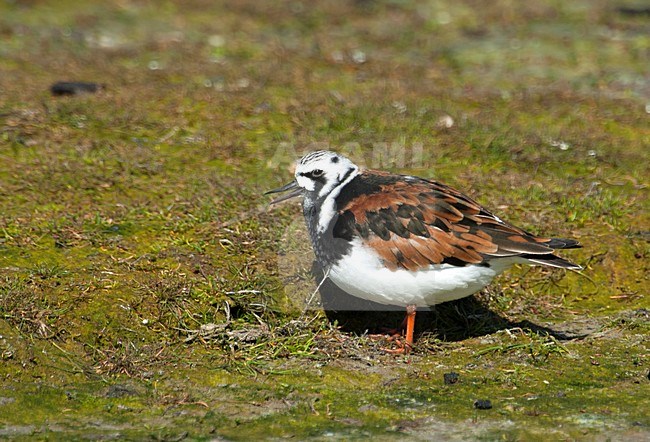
413,223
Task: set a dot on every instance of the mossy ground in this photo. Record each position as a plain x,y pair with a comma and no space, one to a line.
132,219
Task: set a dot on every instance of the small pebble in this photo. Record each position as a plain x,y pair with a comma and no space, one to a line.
483,404
445,122
451,378
562,145
74,87
359,57
632,10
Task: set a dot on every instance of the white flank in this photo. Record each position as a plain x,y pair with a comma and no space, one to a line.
362,274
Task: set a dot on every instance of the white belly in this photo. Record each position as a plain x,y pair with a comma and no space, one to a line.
362,274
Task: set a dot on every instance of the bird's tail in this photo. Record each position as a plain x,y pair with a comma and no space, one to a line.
555,261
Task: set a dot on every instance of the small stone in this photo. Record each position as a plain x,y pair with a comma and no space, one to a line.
562,145
359,57
451,378
483,404
445,122
75,87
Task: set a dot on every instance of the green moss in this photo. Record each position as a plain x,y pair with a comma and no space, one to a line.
132,219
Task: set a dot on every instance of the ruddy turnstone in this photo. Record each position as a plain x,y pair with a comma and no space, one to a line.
406,241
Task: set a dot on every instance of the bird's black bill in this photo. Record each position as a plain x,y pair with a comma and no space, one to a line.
292,186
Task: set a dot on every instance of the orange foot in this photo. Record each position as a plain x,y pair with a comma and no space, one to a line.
403,347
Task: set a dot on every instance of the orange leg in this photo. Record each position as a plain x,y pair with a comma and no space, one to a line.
406,347
410,325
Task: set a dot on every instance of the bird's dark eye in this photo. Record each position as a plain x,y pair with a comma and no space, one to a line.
316,173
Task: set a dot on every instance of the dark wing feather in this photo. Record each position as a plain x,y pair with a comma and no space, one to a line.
413,223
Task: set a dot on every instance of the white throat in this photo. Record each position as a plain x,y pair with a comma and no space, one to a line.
328,206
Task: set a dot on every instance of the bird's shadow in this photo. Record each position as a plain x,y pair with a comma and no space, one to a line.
450,321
